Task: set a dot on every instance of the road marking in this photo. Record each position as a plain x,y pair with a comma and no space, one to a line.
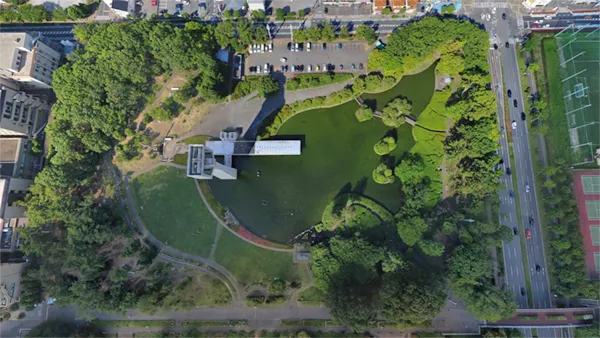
511,271
517,272
515,251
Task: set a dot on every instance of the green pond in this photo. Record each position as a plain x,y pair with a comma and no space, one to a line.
337,154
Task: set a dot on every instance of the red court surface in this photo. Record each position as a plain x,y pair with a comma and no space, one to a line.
588,199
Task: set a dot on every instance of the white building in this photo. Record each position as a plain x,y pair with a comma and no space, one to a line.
203,165
531,4
21,114
122,8
28,60
255,5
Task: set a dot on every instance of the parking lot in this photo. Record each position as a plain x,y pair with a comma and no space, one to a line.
353,52
193,7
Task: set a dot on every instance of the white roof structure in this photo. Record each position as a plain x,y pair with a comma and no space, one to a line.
277,148
255,5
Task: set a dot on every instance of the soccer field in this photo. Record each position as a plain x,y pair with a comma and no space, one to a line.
579,54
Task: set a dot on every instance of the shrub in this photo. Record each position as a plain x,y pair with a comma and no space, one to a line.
304,81
277,286
21,315
385,146
393,114
14,307
363,113
265,85
383,174
147,118
386,11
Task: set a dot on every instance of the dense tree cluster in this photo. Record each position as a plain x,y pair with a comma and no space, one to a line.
38,13
363,276
326,32
265,86
99,92
239,34
394,112
566,242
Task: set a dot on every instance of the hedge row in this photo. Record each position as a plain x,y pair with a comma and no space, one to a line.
305,81
221,323
310,323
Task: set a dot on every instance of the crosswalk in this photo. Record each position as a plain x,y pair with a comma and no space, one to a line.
65,32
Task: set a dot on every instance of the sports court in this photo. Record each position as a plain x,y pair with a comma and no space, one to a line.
587,193
579,55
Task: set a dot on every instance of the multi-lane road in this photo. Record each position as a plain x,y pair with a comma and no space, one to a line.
525,180
560,21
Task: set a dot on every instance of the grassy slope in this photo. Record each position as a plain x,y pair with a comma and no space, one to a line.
172,210
249,263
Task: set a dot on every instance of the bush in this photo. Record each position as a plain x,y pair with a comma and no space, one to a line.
277,286
383,174
265,85
21,315
14,307
304,81
147,118
386,11
385,146
184,93
394,112
255,300
363,113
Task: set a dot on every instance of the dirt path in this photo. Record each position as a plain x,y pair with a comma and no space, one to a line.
216,241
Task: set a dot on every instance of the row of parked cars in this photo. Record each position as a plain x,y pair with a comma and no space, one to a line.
298,47
260,48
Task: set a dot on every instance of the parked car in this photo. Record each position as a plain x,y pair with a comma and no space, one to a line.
503,16
341,67
258,69
271,47
296,48
293,68
317,68
308,46
310,68
266,70
353,66
324,47
283,60
340,45
325,67
360,66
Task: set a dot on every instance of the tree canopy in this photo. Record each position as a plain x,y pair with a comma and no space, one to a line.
394,112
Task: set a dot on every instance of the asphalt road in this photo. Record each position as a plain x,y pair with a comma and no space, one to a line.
561,21
522,168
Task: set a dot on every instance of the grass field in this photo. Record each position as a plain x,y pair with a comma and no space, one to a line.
578,57
311,297
249,263
172,210
559,145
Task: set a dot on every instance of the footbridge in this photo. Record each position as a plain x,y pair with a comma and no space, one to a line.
407,118
547,318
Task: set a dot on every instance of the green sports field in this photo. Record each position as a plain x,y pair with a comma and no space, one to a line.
579,56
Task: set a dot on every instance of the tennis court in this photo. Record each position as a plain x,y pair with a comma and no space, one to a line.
593,209
579,54
591,184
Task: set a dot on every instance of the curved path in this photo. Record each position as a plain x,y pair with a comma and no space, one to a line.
231,230
139,230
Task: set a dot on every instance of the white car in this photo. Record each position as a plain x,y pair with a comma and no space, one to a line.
548,17
266,70
258,69
526,187
310,68
308,46
325,67
296,47
262,48
514,124
271,47
250,49
283,60
293,68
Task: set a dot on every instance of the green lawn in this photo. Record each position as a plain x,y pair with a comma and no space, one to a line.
172,210
559,144
311,297
249,263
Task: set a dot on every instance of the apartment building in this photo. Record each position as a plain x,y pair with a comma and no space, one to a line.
28,59
21,114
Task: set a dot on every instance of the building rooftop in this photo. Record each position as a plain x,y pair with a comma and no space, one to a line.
9,155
